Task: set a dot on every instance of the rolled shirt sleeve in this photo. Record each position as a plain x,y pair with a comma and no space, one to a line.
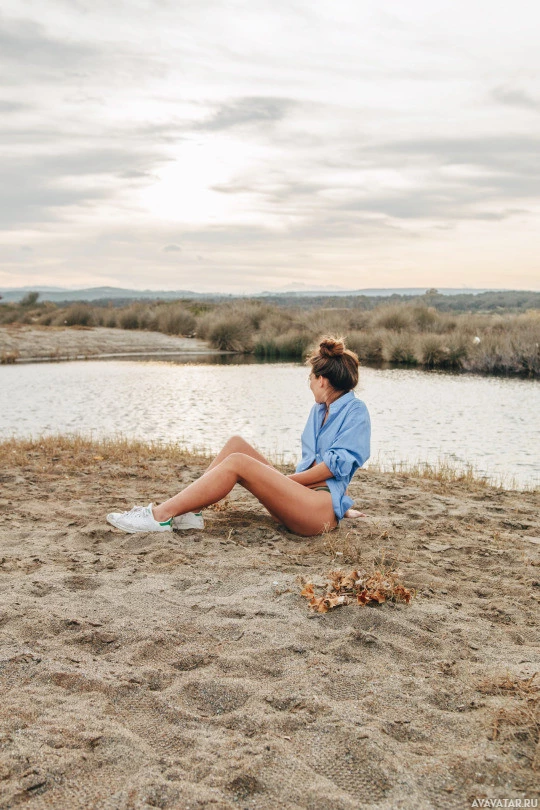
350,448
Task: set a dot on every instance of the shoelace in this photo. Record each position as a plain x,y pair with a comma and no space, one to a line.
137,510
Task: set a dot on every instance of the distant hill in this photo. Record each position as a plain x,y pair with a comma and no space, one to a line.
95,294
119,295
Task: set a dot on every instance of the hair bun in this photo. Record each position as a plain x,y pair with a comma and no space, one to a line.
331,347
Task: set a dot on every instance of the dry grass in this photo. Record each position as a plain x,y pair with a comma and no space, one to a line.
448,474
519,722
76,452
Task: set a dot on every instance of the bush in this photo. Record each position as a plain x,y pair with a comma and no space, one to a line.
8,314
327,321
76,315
292,345
253,311
232,334
128,318
47,318
30,299
395,318
176,321
457,353
401,349
367,345
433,351
205,324
424,317
110,319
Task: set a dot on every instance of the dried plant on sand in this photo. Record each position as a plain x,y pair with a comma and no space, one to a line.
359,587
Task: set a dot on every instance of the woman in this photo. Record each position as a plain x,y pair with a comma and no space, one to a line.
335,442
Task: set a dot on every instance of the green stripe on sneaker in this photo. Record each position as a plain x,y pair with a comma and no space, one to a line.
166,522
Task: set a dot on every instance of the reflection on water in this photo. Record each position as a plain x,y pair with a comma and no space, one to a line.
491,423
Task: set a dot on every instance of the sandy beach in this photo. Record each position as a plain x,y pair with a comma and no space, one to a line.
30,343
185,670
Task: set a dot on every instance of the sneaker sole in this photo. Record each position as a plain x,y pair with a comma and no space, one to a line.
183,527
136,531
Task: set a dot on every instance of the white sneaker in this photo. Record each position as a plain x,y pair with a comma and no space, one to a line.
138,519
190,520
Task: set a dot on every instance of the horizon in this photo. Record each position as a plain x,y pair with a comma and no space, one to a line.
249,147
290,289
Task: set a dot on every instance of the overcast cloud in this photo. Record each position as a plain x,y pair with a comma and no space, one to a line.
243,146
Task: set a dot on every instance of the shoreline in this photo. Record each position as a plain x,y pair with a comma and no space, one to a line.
118,356
25,344
19,344
185,669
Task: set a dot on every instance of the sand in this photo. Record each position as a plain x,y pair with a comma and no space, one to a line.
186,671
30,343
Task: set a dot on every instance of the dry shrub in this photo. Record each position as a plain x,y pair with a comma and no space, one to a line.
369,346
424,318
253,311
359,319
433,351
401,348
291,345
128,319
176,320
9,313
231,333
394,317
277,322
326,321
77,315
457,351
110,319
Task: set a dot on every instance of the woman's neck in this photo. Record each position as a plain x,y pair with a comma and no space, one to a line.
332,398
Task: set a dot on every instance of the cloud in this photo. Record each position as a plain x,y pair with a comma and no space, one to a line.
26,43
11,107
172,248
245,111
515,98
42,188
480,150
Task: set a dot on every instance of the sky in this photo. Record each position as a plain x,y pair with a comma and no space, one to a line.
258,145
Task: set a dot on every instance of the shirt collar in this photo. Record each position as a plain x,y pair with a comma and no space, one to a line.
338,404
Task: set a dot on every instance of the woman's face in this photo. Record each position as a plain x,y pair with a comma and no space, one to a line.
318,388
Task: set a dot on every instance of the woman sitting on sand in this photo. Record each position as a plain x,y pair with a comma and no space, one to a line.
335,442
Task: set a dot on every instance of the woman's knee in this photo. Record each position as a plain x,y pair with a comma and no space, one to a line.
235,443
239,462
237,457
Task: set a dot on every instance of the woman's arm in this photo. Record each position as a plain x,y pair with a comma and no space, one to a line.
314,475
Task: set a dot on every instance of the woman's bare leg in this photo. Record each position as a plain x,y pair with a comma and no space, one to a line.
236,444
301,509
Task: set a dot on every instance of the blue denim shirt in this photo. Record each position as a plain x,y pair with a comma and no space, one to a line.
342,443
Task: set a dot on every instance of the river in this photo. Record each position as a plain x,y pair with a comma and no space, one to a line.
491,423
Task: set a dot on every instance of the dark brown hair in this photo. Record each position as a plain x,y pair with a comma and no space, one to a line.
333,361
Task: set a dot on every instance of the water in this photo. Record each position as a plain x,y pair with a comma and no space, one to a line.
490,423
